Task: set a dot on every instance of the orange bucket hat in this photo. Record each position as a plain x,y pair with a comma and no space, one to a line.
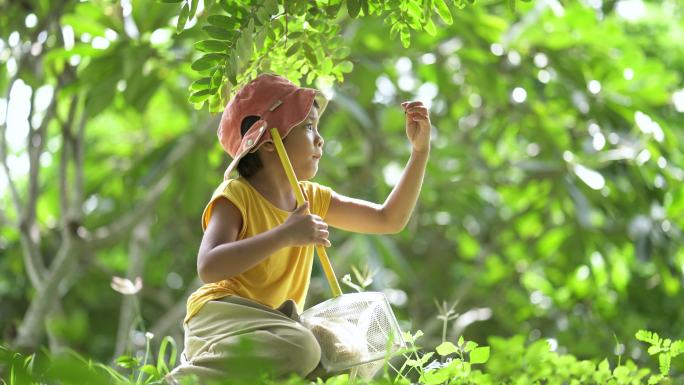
276,101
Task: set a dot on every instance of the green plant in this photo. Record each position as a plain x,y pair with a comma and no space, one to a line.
666,349
364,278
446,314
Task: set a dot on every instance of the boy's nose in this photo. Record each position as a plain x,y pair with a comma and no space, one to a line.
318,140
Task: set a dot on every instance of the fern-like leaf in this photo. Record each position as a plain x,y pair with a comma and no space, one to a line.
649,337
677,348
664,360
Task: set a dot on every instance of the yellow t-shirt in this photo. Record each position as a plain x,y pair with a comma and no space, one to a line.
283,275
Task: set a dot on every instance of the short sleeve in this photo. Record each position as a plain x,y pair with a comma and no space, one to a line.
319,197
225,190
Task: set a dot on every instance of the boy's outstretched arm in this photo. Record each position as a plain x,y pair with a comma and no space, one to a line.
391,217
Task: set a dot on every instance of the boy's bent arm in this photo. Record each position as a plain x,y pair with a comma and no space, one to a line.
392,216
221,256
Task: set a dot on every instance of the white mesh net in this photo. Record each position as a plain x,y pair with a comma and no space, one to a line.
354,330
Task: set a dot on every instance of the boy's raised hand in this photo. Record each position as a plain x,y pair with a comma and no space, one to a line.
302,228
417,125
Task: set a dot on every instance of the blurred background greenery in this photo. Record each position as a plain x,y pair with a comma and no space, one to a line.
552,205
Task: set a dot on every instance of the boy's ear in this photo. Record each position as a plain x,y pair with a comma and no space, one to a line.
268,146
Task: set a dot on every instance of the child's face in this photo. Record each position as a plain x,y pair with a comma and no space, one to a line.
304,146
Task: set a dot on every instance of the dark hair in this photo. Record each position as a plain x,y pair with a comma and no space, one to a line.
250,164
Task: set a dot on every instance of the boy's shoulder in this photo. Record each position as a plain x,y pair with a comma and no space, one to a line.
230,187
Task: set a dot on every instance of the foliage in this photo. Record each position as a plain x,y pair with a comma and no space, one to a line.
666,349
552,205
462,363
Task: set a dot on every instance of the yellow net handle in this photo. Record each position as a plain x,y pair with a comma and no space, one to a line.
287,166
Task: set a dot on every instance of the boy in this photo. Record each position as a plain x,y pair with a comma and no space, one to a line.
256,254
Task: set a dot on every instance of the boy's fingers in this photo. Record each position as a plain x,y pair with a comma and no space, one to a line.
303,207
408,105
418,113
422,109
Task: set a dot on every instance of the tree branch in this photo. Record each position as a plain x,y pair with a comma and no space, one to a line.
64,202
32,326
174,316
109,235
130,307
30,233
16,199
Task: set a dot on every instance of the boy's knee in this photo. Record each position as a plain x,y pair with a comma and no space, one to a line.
308,353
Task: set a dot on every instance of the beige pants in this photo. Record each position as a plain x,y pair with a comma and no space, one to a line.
235,339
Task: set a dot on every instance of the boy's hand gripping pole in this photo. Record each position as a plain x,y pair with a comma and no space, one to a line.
287,166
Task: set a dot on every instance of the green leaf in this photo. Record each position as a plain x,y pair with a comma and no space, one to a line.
170,343
414,10
394,30
263,16
271,6
341,53
310,55
446,348
294,49
100,96
470,345
220,33
193,8
207,61
677,348
295,35
222,21
245,44
365,8
353,7
202,95
345,66
412,363
260,39
443,11
511,5
216,79
647,336
430,28
333,10
232,69
424,359
151,370
664,364
411,339
183,18
212,46
479,355
127,362
405,36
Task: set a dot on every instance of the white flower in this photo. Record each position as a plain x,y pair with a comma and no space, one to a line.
125,286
